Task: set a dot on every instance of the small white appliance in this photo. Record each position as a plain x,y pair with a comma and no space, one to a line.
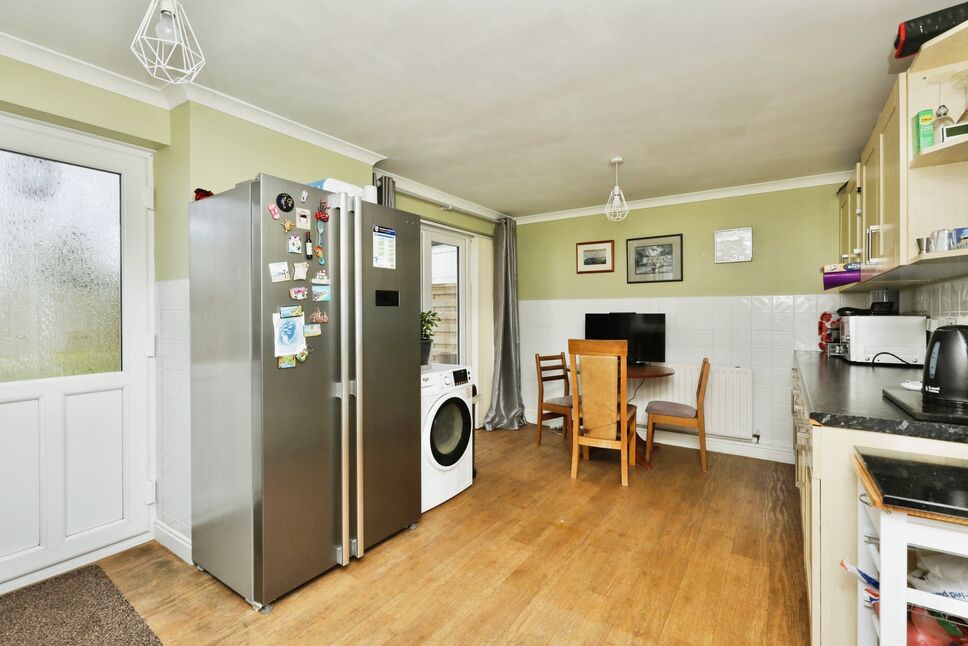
883,339
446,442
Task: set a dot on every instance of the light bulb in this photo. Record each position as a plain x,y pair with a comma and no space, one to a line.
165,27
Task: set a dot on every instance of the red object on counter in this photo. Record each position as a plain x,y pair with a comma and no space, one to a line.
202,193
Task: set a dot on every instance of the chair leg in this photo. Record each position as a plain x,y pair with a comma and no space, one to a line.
584,453
625,465
649,436
566,429
632,433
574,455
702,444
540,426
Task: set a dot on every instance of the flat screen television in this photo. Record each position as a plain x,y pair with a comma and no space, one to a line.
645,333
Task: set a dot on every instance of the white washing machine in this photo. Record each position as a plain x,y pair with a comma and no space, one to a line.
447,446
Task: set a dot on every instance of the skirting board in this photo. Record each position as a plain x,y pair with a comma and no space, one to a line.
714,444
74,563
176,542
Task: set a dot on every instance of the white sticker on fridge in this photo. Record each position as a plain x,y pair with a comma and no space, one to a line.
384,247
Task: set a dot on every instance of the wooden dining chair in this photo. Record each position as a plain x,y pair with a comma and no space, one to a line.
601,417
552,367
682,415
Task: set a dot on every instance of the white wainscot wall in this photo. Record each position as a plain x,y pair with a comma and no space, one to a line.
173,516
758,332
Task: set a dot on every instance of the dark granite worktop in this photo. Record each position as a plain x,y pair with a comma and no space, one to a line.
922,483
845,395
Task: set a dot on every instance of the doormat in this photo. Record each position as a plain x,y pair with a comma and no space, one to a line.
79,607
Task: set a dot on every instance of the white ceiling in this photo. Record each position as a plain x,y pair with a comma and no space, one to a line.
519,105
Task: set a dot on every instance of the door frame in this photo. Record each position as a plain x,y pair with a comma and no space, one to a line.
140,206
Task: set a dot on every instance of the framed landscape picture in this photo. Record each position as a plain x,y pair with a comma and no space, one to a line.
654,260
595,257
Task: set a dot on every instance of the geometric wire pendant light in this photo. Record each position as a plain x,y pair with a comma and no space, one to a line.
166,45
616,208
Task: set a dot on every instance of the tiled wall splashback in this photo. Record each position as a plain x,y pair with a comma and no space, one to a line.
941,301
760,332
174,504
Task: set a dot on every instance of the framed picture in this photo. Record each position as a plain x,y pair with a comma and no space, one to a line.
734,245
595,257
654,260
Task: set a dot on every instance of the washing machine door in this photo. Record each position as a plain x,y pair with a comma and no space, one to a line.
450,431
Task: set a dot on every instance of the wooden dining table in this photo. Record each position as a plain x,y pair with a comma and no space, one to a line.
638,371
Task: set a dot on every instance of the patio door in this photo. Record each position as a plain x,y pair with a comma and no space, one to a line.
74,262
444,269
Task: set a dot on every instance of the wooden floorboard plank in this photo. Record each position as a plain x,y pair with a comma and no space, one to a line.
529,555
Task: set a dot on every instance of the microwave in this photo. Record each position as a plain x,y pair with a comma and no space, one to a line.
898,340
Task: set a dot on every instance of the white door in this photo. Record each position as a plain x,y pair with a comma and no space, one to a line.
74,262
444,269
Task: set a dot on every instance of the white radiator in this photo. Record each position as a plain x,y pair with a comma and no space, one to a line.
729,397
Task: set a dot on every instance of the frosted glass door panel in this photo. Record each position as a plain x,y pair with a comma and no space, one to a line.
60,269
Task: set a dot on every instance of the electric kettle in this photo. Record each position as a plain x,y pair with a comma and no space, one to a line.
945,380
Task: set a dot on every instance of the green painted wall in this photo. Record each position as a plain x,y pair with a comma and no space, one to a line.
32,92
214,150
794,232
432,212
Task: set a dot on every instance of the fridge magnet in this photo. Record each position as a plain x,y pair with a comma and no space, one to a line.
321,278
284,202
290,311
302,356
288,335
319,254
322,213
298,293
322,293
279,271
312,329
295,243
302,218
308,246
325,317
287,361
287,225
304,196
320,229
318,316
273,211
300,270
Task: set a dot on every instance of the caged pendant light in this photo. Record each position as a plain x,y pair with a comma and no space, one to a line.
166,45
616,208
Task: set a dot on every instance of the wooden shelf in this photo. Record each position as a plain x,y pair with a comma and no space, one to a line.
923,269
948,152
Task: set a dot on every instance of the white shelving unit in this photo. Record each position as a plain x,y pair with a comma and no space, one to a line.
883,538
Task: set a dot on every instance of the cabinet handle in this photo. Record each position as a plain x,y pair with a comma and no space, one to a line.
865,500
871,258
845,257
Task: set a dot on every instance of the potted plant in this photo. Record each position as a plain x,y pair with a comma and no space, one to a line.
428,321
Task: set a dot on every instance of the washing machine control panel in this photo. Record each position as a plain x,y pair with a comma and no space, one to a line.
460,377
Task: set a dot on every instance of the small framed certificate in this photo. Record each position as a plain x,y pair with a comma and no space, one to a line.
734,245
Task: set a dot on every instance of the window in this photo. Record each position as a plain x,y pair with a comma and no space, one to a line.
444,274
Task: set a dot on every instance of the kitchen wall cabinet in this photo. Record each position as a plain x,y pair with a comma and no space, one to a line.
851,248
907,195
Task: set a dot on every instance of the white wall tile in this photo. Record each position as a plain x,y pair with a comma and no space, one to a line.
782,304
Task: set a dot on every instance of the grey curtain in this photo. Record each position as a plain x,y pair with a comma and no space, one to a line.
386,190
507,405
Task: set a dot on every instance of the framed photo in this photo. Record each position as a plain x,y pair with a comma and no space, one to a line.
654,260
595,257
734,245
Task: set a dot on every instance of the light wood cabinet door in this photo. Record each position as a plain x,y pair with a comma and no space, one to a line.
855,246
891,187
871,198
844,225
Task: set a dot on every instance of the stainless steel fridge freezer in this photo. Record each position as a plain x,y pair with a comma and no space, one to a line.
296,469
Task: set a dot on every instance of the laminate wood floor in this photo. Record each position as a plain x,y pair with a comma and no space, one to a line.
528,555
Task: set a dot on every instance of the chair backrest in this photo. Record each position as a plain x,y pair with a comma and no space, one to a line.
604,375
550,367
701,388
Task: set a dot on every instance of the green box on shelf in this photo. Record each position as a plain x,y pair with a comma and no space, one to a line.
923,130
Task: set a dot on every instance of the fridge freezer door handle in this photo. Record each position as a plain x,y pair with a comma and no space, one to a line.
358,336
344,362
